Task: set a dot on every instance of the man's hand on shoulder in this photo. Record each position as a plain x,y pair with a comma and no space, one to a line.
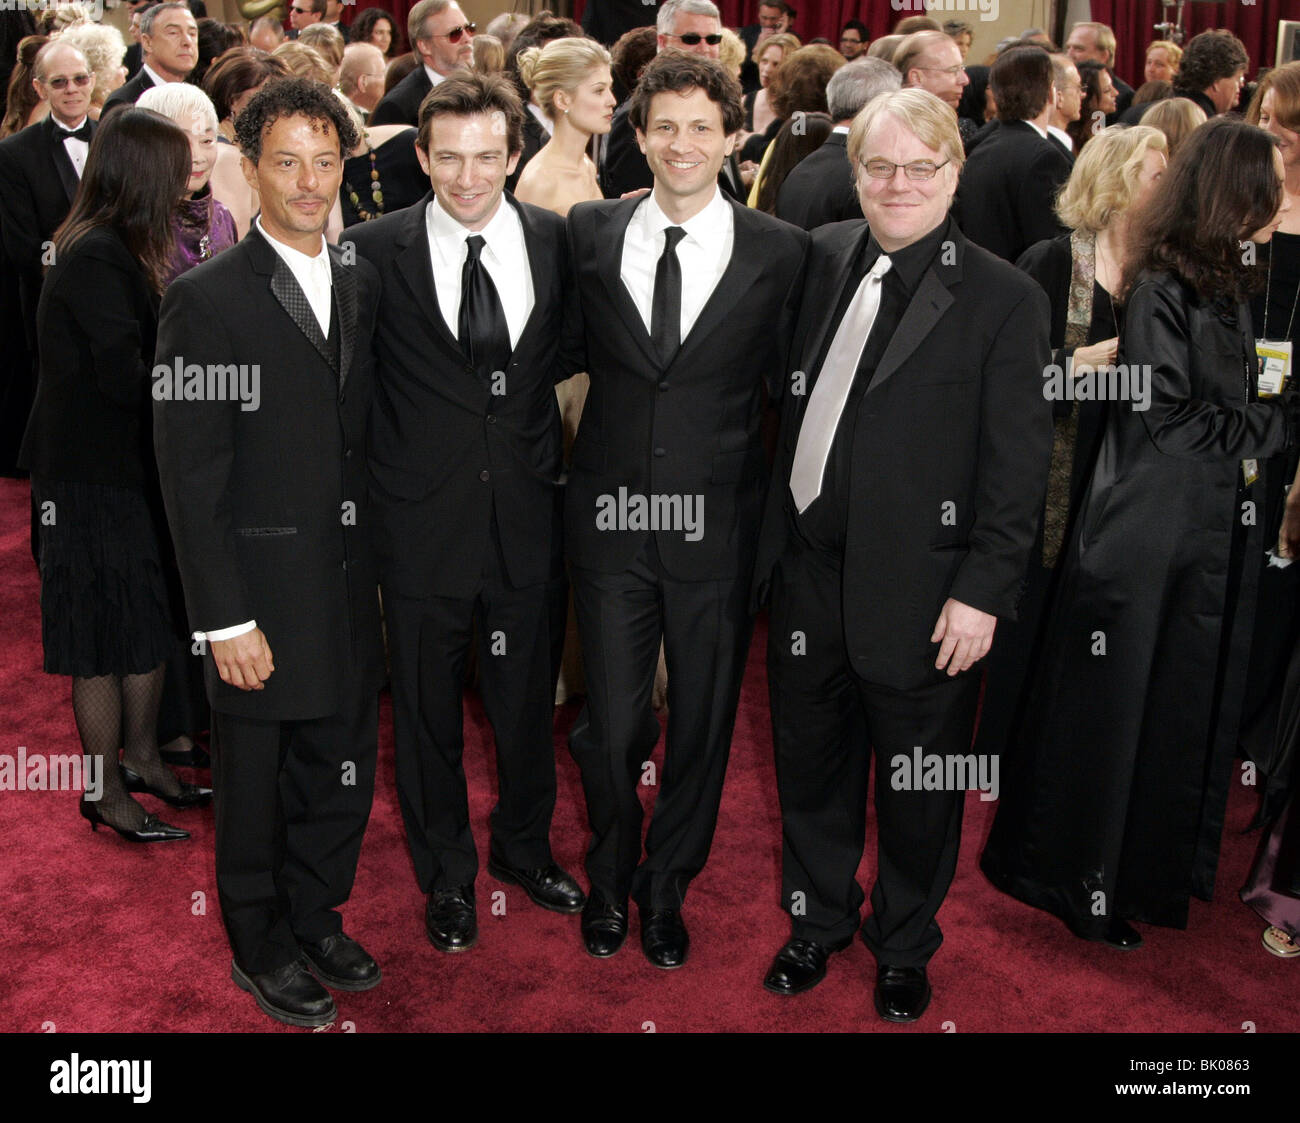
244,660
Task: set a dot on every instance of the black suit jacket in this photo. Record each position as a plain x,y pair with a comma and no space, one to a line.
129,92
820,188
688,429
401,105
954,414
37,186
1007,194
268,507
444,448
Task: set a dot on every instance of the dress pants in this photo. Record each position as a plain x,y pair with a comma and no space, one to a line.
519,636
292,801
705,628
819,707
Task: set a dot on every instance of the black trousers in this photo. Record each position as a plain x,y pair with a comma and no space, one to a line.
819,710
292,801
705,628
520,633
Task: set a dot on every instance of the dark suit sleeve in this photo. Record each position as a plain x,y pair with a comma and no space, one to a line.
195,447
388,112
1014,451
572,356
112,328
784,330
1036,198
18,223
625,166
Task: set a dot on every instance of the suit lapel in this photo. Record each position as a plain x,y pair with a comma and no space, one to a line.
416,270
345,299
286,290
830,285
610,232
62,161
538,256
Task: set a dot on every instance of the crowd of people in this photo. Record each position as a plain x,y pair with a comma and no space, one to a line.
558,352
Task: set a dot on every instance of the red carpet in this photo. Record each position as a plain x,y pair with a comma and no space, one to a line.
100,935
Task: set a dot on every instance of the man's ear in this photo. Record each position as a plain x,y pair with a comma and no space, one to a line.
730,146
513,162
250,172
640,140
423,157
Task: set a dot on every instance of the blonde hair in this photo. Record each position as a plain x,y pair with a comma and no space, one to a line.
1173,50
303,61
560,65
884,47
104,48
325,39
1104,181
489,54
928,117
786,40
1177,118
731,53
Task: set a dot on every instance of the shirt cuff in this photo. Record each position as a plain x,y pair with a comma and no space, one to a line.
226,633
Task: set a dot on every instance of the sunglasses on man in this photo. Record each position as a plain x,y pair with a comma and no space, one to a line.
62,83
454,35
693,38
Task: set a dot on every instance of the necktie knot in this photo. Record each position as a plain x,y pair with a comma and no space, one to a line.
81,133
474,246
672,235
881,267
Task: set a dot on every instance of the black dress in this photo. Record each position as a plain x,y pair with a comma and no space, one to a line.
401,181
88,446
1113,800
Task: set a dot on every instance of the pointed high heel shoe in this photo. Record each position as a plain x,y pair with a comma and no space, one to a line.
190,795
153,829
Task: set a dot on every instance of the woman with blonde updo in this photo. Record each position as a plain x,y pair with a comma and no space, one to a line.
571,83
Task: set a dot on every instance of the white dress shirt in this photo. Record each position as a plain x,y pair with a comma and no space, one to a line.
156,78
313,274
504,255
1034,125
704,254
434,76
74,147
1062,136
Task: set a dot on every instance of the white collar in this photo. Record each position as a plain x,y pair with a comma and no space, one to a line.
292,256
434,76
705,227
158,79
68,128
443,228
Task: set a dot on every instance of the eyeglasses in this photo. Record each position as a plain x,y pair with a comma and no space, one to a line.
76,80
951,71
300,11
453,36
693,38
917,169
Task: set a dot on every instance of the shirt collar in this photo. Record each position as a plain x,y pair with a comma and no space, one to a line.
293,257
67,128
445,229
706,227
911,262
158,79
1062,136
1035,127
434,76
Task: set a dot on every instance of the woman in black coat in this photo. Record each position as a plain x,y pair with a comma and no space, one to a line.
89,448
1114,798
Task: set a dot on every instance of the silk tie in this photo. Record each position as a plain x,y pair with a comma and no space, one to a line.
831,391
481,325
82,133
666,306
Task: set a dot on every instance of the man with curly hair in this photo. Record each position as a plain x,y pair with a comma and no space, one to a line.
1212,71
262,459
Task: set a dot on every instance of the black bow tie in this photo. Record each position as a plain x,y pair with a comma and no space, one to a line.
83,133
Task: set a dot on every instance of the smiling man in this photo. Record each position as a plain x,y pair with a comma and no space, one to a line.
904,501
465,466
169,43
686,298
268,508
443,38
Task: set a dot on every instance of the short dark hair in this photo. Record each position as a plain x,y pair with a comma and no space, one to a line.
292,97
1211,55
778,4
469,92
237,71
855,25
318,6
1022,82
674,71
629,56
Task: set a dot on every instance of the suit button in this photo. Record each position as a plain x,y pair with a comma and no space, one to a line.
660,452
485,475
347,454
663,387
491,418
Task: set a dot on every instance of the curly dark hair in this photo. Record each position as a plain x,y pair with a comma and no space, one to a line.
629,56
1221,187
364,25
292,97
676,71
1211,55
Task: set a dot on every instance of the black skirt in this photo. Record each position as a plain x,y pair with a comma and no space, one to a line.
104,602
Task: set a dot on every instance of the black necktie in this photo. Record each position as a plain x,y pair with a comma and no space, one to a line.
484,335
82,133
666,307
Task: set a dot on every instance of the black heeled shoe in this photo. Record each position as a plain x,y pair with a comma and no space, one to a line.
191,795
153,830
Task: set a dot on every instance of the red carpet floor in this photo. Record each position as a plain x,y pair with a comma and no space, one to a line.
100,935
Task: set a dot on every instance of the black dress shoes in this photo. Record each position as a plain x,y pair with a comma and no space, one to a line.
549,887
289,994
190,794
800,966
153,829
902,993
663,938
450,920
1122,935
339,961
604,925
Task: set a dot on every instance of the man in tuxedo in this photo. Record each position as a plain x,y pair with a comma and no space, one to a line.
465,464
266,496
1096,42
443,39
1007,198
913,454
821,188
1067,102
693,26
687,298
169,45
607,20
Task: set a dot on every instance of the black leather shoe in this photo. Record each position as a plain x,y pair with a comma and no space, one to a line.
902,993
550,887
153,829
1122,935
663,938
450,920
190,794
339,961
800,966
604,925
289,994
